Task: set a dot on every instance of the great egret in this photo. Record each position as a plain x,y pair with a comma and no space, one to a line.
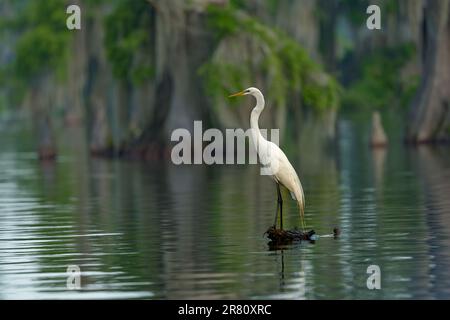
270,154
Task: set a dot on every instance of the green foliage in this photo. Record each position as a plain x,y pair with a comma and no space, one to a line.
43,41
127,40
379,83
356,10
38,50
222,21
282,62
390,6
222,78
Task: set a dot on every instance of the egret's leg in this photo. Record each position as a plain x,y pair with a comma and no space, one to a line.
280,201
276,212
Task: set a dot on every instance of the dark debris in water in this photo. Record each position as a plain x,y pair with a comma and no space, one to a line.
284,237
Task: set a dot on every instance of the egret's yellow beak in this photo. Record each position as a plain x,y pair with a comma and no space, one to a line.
236,94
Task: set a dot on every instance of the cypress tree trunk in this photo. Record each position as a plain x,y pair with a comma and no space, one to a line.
429,113
40,105
76,72
327,27
181,45
96,91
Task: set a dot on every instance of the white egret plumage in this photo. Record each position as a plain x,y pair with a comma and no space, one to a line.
270,154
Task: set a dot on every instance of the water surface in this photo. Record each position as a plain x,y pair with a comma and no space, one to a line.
158,231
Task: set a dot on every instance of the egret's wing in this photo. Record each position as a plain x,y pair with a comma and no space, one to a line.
286,174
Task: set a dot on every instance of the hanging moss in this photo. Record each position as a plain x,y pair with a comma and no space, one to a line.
273,56
127,40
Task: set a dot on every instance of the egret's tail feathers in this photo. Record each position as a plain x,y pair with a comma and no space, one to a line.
301,206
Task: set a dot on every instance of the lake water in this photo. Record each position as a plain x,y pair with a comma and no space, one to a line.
158,231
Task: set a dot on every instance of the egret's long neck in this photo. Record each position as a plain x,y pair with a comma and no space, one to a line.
254,117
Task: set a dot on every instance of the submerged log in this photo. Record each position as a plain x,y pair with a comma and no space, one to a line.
284,237
280,236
